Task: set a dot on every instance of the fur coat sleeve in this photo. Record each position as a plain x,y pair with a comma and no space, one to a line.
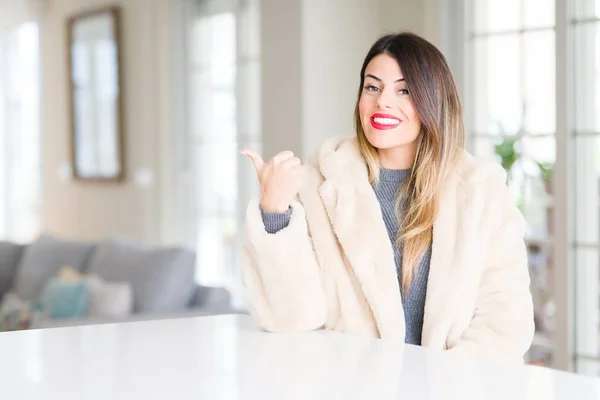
281,274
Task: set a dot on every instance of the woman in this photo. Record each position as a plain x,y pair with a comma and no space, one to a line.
397,232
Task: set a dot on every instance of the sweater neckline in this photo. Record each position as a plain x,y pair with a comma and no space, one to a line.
393,175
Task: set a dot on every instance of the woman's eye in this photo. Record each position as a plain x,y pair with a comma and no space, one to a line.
371,88
403,91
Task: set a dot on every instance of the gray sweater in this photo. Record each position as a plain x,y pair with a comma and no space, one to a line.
413,302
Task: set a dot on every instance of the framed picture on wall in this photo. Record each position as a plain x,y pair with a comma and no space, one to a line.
96,95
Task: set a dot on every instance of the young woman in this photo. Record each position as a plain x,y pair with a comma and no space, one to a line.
396,232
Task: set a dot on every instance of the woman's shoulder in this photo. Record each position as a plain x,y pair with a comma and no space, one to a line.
336,155
338,162
472,170
342,148
485,180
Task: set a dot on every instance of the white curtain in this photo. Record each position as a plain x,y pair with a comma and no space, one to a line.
20,169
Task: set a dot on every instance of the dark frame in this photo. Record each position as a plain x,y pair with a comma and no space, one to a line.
115,14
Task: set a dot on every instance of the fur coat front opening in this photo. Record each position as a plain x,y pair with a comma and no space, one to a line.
333,266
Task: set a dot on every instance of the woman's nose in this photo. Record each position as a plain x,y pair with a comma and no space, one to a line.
384,100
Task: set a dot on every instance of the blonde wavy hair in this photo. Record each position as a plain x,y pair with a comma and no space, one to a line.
439,145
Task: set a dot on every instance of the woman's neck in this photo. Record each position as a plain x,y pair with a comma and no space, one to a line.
397,158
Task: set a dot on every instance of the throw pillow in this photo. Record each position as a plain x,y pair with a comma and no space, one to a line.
64,299
109,299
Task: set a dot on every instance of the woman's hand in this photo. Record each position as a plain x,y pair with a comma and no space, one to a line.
280,179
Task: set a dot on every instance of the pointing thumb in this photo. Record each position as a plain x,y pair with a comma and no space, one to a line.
256,159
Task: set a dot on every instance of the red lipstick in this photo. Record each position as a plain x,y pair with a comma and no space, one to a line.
384,121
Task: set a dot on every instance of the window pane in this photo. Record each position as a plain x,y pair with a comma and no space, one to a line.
213,104
224,116
538,149
200,39
586,173
587,77
20,183
586,293
217,185
529,162
539,82
212,98
513,104
216,248
536,161
538,13
249,187
483,147
213,40
505,151
249,99
498,100
494,16
587,366
249,32
587,8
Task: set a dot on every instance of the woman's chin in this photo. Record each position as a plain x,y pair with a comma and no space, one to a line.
380,139
389,139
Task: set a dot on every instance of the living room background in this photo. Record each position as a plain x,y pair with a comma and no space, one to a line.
204,78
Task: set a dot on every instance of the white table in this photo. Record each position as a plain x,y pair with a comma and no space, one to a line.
226,357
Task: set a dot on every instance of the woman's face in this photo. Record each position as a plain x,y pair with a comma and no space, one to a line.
387,112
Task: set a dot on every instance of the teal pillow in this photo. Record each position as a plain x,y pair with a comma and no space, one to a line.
65,299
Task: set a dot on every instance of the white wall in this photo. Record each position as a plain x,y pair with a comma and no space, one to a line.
15,12
92,210
336,36
420,17
333,39
282,76
312,52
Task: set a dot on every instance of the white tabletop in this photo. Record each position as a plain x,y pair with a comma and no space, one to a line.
226,357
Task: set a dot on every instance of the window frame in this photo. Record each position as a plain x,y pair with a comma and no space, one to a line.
455,45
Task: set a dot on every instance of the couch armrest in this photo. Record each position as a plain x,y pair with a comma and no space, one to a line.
213,299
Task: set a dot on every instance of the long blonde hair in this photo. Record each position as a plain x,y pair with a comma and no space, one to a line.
440,143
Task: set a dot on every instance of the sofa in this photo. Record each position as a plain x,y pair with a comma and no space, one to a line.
136,282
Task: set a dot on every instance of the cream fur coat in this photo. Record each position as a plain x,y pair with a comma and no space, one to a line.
333,266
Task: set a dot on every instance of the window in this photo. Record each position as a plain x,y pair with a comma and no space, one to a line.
511,119
513,112
20,170
223,72
585,174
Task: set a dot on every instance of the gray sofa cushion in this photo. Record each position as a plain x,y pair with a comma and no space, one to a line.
162,278
214,299
43,259
10,254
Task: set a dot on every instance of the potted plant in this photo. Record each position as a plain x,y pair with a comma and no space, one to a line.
546,170
509,152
